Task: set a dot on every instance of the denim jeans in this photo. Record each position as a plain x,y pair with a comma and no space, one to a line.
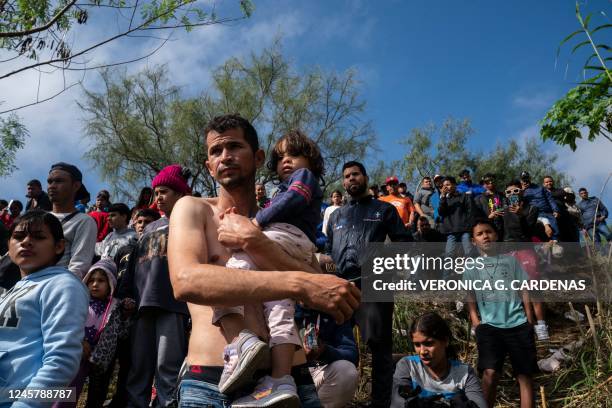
451,243
201,394
553,224
600,229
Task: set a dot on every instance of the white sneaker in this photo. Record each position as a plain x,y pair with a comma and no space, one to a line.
541,331
242,357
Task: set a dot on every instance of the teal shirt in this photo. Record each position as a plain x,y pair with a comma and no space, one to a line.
499,308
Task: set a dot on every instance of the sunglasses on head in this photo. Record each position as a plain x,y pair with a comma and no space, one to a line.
512,191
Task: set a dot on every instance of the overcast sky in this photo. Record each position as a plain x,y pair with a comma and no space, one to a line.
419,62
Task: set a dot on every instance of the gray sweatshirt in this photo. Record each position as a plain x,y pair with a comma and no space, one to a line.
114,241
80,235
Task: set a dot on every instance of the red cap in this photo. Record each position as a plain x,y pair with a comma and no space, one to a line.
391,179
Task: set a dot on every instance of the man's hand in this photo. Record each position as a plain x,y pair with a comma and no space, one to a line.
332,295
556,214
236,230
496,213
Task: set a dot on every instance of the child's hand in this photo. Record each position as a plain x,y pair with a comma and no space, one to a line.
86,350
129,306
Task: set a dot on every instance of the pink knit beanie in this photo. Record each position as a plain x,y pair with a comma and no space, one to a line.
173,177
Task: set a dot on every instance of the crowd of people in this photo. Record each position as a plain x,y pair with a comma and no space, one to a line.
247,300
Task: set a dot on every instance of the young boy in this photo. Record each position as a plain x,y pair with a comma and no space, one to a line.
504,326
118,218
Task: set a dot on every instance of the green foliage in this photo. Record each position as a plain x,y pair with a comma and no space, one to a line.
38,29
443,150
12,138
588,106
141,123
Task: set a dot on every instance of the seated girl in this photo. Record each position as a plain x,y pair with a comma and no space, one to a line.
432,378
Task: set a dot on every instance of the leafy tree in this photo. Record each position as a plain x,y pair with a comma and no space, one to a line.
443,150
43,35
588,105
12,136
138,124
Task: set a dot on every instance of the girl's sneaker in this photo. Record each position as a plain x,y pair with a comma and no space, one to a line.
242,357
271,392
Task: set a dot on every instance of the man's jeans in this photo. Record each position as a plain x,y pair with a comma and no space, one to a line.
553,224
202,394
600,229
451,243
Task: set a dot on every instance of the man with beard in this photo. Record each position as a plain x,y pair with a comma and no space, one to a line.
203,232
350,229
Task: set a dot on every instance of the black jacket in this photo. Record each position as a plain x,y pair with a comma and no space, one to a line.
520,227
353,226
42,203
457,213
485,203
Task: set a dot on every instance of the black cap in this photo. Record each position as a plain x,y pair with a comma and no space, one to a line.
76,175
525,175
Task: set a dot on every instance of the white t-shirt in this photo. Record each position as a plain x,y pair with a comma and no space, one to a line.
328,211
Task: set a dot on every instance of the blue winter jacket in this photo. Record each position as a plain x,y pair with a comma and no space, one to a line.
41,328
538,196
470,188
587,208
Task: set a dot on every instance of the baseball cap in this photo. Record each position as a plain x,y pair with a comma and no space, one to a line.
391,179
76,174
525,175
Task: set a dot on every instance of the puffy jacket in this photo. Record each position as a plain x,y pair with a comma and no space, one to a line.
470,188
353,226
540,197
587,207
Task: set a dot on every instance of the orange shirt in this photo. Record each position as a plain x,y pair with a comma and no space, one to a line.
403,205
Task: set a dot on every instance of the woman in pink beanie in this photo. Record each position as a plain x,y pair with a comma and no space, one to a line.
169,185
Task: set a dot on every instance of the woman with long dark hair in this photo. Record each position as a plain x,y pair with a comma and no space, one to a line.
433,376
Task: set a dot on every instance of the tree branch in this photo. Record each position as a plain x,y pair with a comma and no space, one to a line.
41,28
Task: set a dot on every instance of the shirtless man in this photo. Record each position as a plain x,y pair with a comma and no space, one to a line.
202,233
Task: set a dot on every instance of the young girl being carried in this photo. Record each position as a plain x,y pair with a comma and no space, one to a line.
290,221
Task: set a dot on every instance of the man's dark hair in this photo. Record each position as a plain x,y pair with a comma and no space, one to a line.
120,208
487,177
34,182
148,212
514,182
403,185
449,178
296,143
224,123
483,221
3,203
464,172
426,178
353,163
18,204
103,193
582,189
550,177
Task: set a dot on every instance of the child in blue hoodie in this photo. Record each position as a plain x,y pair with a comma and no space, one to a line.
43,315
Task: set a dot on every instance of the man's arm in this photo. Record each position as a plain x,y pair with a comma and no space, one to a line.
83,247
396,231
195,280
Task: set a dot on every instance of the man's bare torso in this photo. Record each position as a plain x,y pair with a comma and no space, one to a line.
207,341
